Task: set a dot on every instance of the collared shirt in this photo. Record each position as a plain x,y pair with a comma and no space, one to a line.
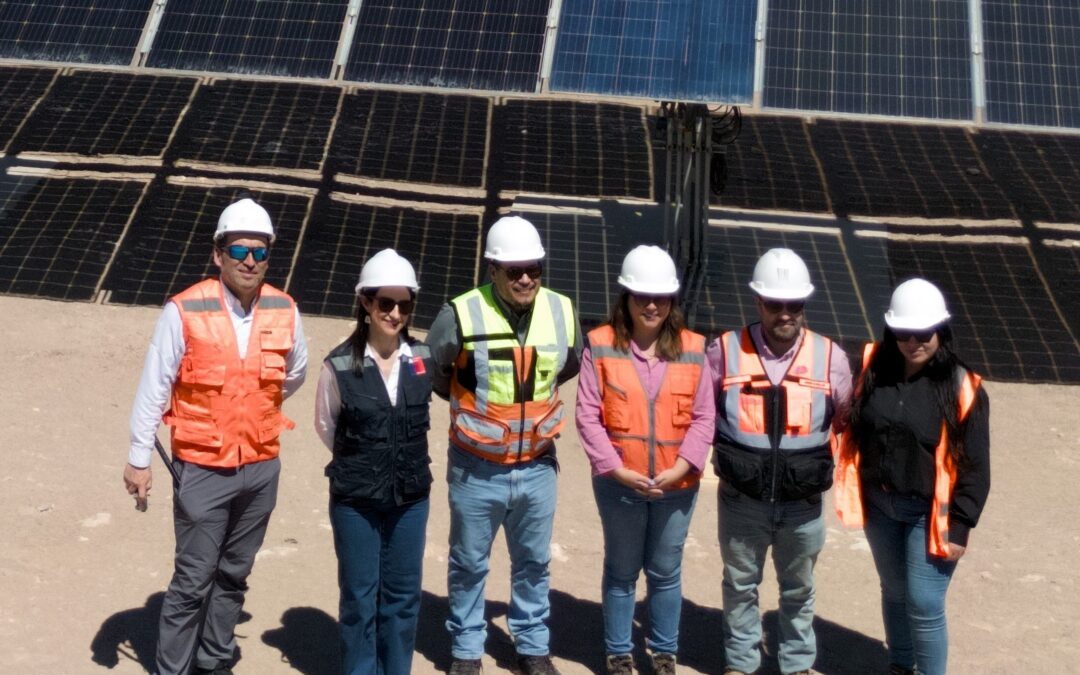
444,339
328,396
603,456
776,366
163,358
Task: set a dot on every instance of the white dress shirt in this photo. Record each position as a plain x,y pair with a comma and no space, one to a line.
162,364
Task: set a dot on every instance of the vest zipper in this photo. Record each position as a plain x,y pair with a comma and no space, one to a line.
774,437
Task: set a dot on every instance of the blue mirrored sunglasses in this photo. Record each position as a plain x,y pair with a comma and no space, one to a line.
240,253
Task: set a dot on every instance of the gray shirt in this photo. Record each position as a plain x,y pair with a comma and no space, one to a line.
444,339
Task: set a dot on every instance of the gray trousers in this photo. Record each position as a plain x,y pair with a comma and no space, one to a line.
220,518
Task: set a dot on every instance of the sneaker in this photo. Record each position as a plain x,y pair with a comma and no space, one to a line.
620,664
536,665
466,667
663,664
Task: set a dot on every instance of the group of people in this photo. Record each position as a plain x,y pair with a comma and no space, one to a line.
907,443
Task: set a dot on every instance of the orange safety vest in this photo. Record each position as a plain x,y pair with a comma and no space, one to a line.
226,412
848,494
646,432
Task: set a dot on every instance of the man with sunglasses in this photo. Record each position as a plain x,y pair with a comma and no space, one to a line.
225,353
783,391
501,351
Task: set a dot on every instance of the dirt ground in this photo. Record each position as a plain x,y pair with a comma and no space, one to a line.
82,573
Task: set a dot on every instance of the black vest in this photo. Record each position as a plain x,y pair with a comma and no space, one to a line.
381,450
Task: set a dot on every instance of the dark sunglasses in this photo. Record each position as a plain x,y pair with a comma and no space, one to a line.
514,273
240,253
776,306
644,299
386,305
923,336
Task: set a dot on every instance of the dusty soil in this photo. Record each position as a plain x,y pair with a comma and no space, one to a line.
82,573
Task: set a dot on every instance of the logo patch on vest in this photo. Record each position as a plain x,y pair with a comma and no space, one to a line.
418,366
799,370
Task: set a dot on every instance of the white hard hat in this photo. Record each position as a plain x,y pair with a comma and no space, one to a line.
649,269
512,239
387,268
781,274
916,304
244,216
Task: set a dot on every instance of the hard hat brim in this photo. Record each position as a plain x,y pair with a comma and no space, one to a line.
794,294
919,323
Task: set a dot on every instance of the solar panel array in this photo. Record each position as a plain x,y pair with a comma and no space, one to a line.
20,89
77,32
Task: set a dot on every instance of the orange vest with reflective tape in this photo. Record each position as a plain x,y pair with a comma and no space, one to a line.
226,412
847,497
647,433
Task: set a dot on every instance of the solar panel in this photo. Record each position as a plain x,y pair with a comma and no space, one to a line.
1063,256
1039,173
20,90
265,37
727,303
170,242
1032,61
441,244
466,44
77,32
112,114
572,148
412,137
770,167
883,57
906,170
58,236
1004,322
678,50
275,127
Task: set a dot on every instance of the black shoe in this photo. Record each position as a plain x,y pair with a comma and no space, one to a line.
900,670
466,667
536,665
663,664
219,670
620,664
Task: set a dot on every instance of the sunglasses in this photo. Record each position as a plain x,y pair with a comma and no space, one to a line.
240,253
791,306
514,273
923,336
644,299
386,305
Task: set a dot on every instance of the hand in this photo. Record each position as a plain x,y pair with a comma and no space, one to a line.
138,482
956,551
665,480
636,482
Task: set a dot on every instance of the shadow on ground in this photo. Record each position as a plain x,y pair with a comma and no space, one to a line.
307,640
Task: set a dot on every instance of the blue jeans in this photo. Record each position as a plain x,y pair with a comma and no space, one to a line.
913,583
796,532
485,496
649,533
380,560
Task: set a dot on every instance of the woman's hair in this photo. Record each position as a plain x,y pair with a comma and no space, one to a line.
359,337
668,345
887,368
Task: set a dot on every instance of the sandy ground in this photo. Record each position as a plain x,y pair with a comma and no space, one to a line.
82,573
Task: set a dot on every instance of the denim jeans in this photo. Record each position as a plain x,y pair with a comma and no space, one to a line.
796,531
642,533
380,560
485,496
913,583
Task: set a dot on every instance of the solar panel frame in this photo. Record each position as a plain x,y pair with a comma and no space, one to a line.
695,51
79,32
263,37
906,58
491,45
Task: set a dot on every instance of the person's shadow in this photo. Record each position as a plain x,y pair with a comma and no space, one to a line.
308,641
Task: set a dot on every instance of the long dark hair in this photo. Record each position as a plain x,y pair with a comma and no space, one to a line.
668,344
887,368
359,338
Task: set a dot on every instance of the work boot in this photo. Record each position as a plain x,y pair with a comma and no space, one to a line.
620,664
466,667
536,665
663,664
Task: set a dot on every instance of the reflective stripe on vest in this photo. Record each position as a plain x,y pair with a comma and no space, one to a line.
806,385
226,411
513,412
646,432
847,498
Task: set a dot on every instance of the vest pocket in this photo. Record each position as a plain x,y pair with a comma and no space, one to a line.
743,470
682,399
805,474
798,411
197,432
751,413
270,426
615,404
202,372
